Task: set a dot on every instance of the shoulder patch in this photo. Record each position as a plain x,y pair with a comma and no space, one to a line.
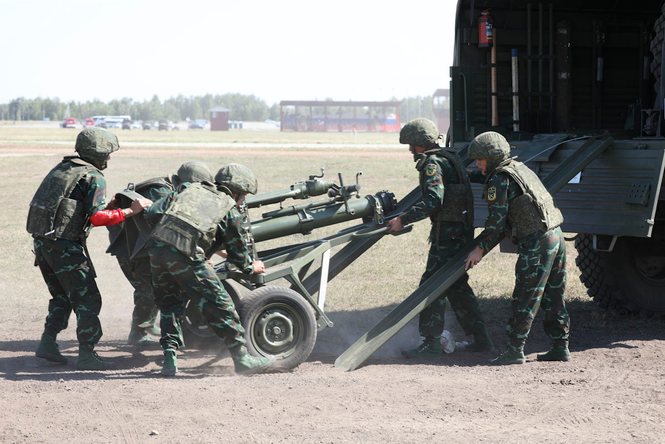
430,170
491,194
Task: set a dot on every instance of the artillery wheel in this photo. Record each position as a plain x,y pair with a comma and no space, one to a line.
279,322
195,329
631,278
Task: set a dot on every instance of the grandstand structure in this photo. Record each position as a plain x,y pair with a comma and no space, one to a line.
329,115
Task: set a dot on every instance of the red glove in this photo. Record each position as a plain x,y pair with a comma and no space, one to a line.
107,217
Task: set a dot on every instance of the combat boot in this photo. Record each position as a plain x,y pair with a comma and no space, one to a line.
150,328
138,336
481,342
512,355
430,348
556,353
170,367
89,360
246,364
48,349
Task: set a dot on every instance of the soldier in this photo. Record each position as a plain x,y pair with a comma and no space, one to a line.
67,202
194,224
520,205
448,202
137,271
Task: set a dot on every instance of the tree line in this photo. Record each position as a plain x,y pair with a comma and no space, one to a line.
243,107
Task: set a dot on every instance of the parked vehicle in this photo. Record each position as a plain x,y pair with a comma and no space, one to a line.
577,85
127,124
69,122
163,125
198,124
147,125
89,122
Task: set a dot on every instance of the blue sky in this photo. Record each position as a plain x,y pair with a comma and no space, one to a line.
277,50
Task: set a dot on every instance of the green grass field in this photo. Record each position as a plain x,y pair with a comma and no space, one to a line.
382,277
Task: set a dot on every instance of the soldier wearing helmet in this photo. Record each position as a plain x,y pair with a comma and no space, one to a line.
521,206
137,270
193,224
69,200
448,202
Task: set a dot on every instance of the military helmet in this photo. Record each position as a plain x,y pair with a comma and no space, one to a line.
237,178
491,146
94,145
420,132
194,171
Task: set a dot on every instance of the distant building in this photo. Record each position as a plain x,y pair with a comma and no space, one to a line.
219,119
329,115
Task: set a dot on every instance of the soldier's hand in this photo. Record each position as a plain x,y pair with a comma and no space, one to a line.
111,204
395,224
222,253
473,258
137,206
259,267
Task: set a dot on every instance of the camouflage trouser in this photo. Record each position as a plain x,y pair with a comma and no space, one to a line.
72,286
174,274
540,279
137,272
461,296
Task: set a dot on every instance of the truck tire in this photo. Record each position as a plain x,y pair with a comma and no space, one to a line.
656,47
195,329
630,279
279,322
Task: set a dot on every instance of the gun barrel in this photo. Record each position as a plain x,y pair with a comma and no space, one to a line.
306,221
299,190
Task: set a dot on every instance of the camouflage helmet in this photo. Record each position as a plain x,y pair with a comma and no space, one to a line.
194,171
491,146
420,132
237,178
95,145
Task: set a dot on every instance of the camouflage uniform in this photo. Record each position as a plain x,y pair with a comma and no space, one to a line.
137,270
446,238
540,271
68,273
173,272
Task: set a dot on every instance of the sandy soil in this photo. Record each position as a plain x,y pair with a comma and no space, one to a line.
612,391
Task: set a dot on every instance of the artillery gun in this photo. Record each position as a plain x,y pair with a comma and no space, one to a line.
284,321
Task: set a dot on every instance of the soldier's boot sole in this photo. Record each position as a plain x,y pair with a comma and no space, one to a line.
48,349
510,357
562,355
92,361
246,371
170,367
51,357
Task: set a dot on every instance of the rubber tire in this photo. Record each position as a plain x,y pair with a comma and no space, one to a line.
655,46
614,280
284,302
195,329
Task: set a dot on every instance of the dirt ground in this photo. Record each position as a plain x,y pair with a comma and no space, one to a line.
611,392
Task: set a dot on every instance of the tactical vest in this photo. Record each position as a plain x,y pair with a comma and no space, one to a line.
53,214
190,222
157,182
458,199
534,210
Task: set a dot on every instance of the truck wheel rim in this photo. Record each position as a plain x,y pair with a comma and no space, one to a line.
651,268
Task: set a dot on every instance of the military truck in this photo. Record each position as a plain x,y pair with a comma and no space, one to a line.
572,82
